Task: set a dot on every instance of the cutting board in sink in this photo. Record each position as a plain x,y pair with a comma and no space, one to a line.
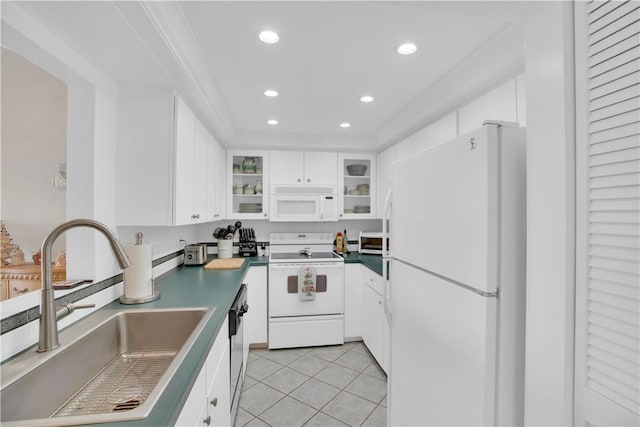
224,264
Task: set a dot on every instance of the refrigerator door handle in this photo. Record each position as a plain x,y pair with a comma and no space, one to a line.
386,216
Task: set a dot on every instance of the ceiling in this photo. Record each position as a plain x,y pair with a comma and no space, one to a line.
329,55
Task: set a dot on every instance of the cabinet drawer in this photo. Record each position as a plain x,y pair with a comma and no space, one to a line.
20,287
373,280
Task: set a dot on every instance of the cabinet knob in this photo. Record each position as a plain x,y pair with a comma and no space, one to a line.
197,216
308,179
207,420
380,302
214,402
265,214
340,215
299,179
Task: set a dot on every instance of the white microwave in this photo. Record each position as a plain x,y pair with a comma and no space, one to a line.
371,242
294,204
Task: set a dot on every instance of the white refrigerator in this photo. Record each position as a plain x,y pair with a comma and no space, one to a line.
456,294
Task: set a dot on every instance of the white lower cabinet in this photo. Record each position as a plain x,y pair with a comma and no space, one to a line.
255,328
352,300
374,326
209,402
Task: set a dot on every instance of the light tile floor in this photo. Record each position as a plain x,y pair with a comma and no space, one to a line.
316,386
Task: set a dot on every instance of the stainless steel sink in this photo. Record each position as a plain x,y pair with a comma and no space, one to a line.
114,368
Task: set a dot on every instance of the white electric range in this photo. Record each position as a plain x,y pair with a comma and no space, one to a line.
298,317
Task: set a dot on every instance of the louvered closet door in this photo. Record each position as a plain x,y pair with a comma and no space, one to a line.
608,211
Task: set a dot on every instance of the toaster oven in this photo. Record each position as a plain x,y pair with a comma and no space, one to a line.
371,242
195,254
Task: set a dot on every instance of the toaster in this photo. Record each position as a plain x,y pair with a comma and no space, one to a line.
195,254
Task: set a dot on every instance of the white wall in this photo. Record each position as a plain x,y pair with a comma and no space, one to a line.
550,216
91,134
34,143
506,102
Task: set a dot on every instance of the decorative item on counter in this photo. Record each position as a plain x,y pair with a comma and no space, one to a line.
138,279
18,257
249,165
339,242
37,257
61,259
10,252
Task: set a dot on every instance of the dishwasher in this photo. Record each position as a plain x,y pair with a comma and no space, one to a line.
236,312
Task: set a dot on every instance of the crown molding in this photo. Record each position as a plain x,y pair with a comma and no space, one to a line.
310,142
162,27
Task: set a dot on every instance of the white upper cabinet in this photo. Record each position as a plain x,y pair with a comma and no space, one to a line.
247,184
320,168
357,186
287,167
303,168
191,144
215,181
162,161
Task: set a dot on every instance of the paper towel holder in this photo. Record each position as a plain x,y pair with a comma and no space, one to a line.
154,295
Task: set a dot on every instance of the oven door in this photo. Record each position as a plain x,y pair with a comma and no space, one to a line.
283,290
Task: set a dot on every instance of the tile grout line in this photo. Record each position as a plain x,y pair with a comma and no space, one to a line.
360,373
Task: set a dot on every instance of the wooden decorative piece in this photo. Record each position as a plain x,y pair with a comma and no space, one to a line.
10,252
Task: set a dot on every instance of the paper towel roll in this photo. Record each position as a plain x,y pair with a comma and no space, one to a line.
138,279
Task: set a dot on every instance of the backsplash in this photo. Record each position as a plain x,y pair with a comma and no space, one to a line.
264,228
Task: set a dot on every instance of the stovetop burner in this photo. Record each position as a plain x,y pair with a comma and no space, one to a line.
302,247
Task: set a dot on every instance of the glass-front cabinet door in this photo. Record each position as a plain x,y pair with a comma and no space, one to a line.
248,184
356,173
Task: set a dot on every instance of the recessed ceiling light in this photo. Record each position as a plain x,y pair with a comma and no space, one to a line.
345,125
407,48
268,36
271,93
366,98
272,122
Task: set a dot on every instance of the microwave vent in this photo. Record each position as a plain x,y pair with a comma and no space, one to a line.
303,190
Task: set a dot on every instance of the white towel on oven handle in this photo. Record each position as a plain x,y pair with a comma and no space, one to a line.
306,283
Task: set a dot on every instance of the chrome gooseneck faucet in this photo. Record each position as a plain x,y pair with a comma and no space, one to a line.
48,315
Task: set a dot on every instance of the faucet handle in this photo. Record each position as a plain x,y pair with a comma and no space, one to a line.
74,306
64,310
